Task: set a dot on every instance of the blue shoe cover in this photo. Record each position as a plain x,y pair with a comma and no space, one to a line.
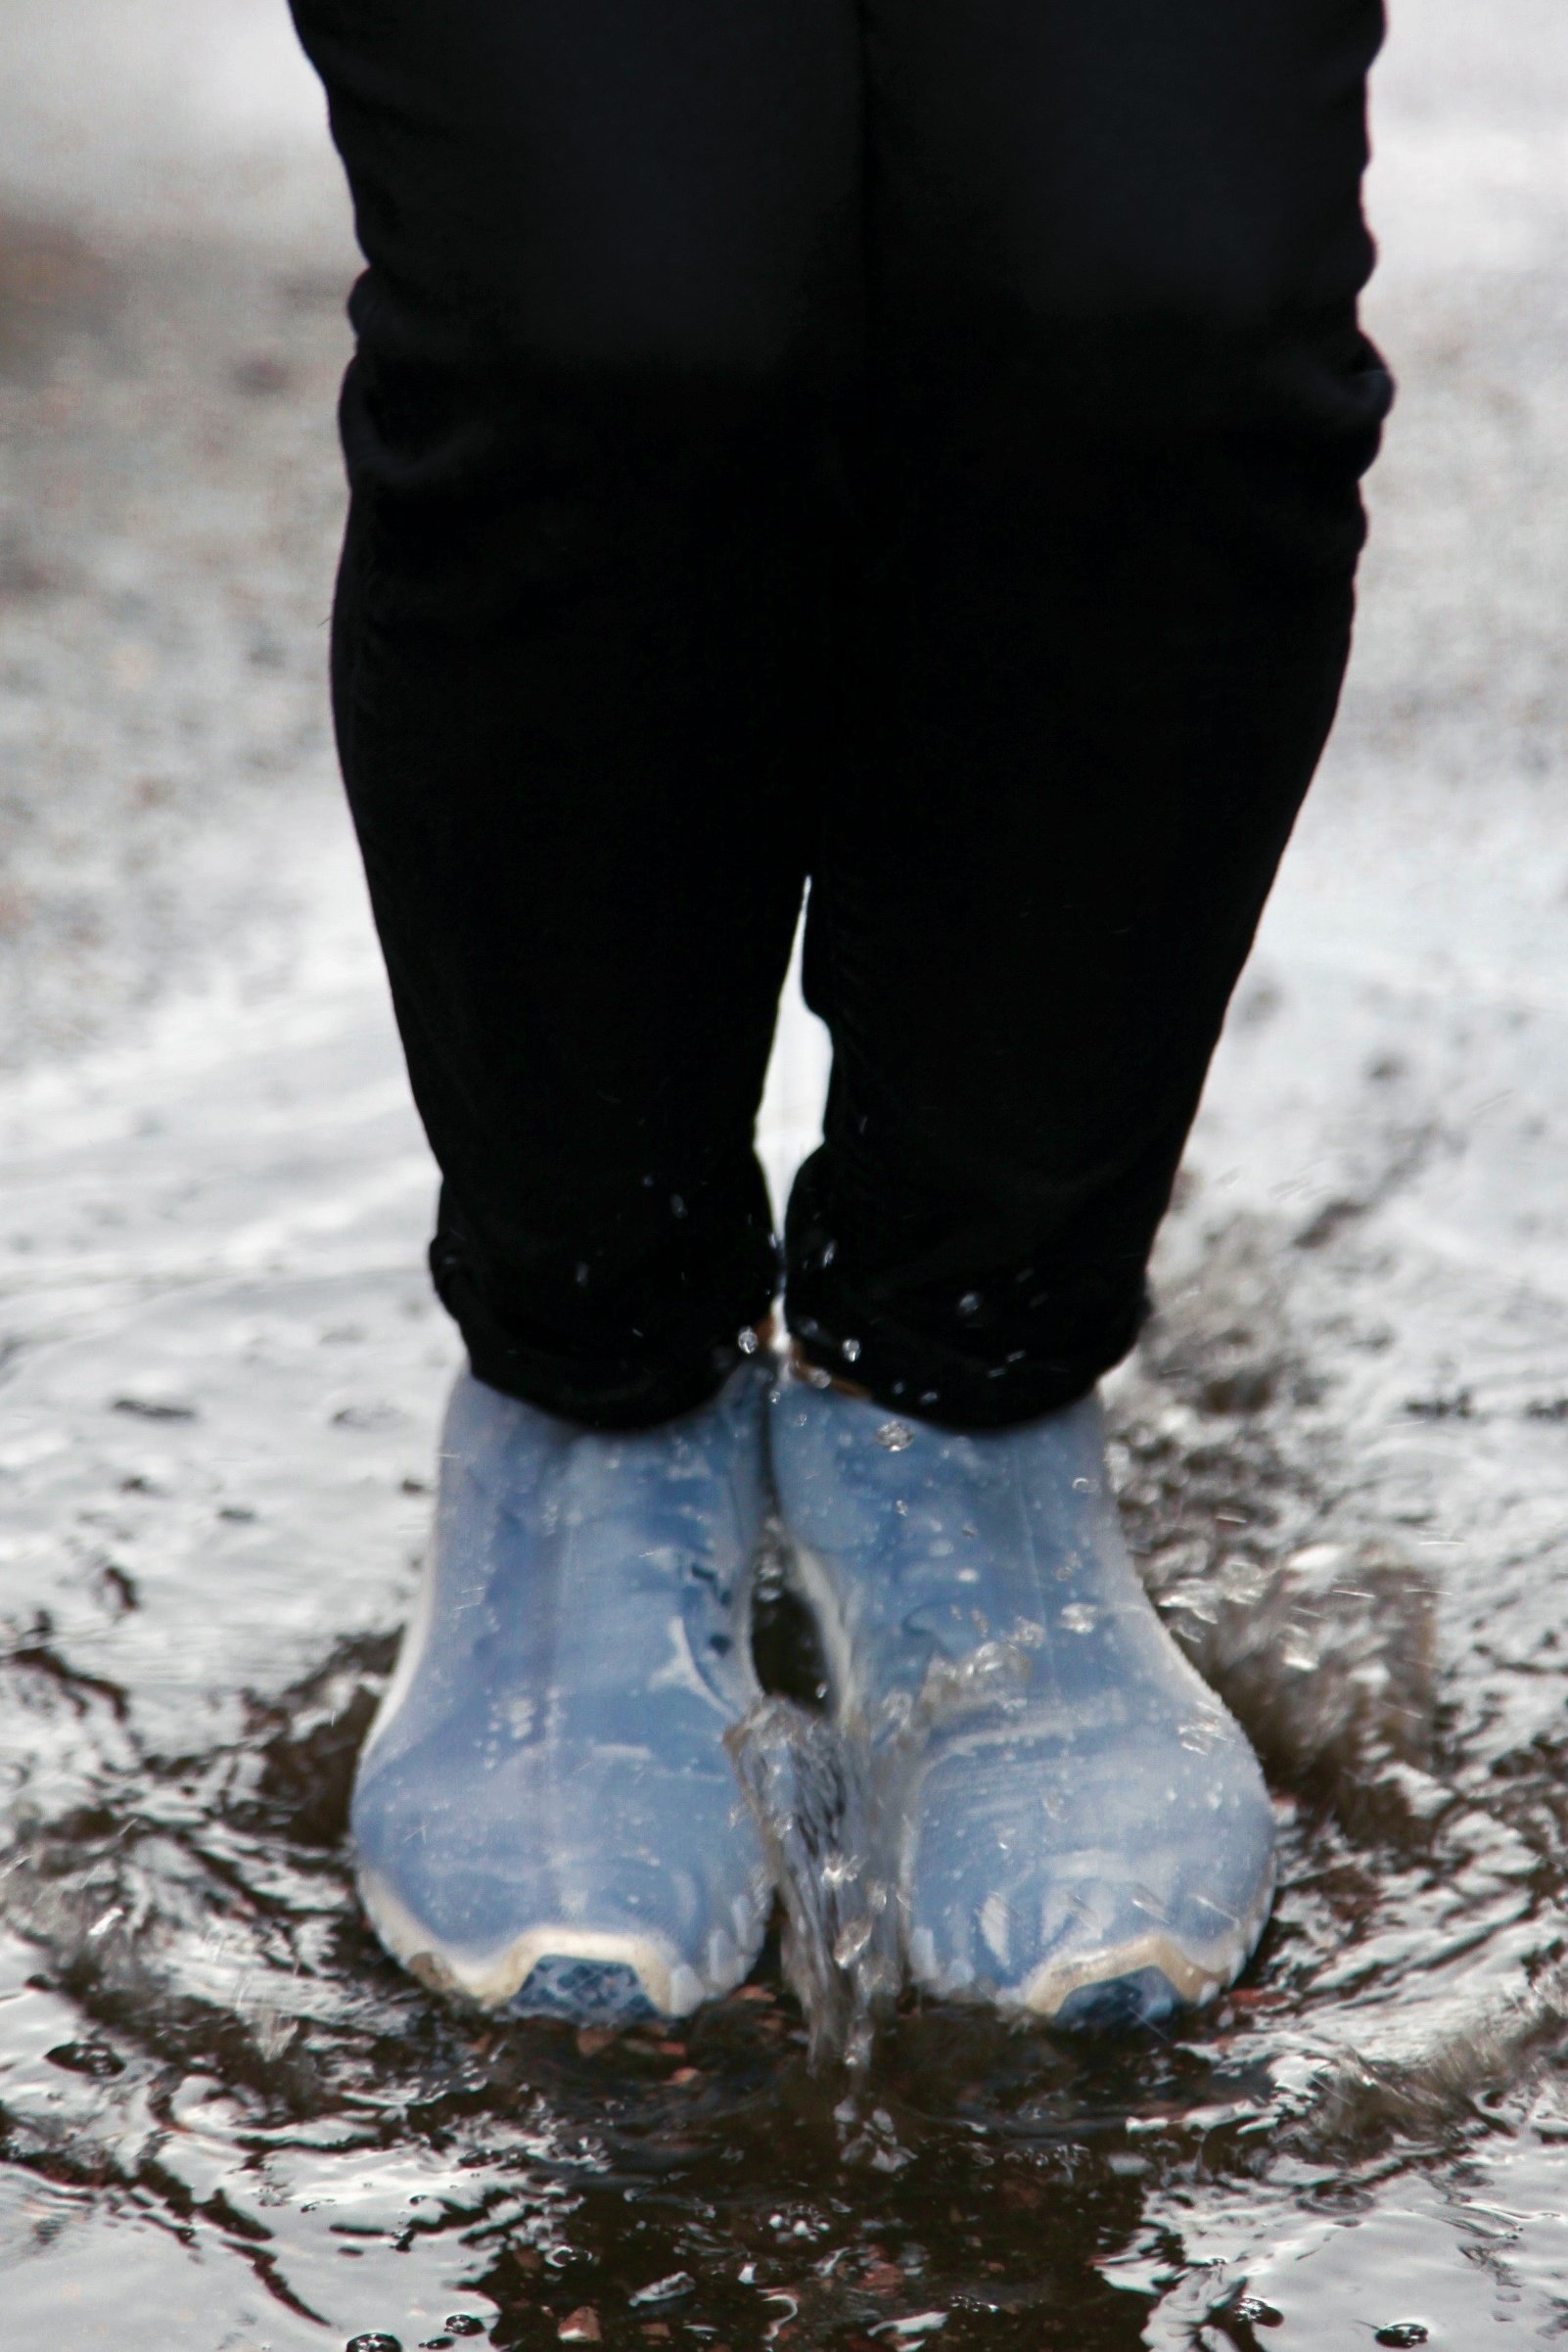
1084,1831
545,1819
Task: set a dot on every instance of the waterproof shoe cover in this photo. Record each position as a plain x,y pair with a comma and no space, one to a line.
545,1818
1085,1830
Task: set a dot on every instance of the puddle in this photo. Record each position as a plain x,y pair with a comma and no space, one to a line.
225,2119
229,2121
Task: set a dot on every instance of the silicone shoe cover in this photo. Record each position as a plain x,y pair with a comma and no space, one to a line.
544,1817
1086,1833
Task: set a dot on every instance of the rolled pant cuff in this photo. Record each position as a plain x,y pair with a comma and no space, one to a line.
905,1370
624,1390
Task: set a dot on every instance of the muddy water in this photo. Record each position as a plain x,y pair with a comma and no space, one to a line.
229,2122
225,2120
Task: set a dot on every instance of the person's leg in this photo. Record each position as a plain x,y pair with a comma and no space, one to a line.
612,299
613,295
1119,407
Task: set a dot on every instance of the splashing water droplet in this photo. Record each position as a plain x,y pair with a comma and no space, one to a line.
850,1350
853,1941
830,1802
665,2291
896,1436
1079,1617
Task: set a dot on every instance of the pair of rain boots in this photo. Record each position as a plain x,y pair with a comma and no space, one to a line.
546,1819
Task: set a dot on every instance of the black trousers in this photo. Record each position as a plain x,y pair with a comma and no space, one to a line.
908,446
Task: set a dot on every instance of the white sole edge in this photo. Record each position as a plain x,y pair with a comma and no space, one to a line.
1196,1974
1195,1978
670,1985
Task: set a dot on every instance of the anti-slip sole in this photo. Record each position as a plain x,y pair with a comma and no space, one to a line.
1149,1977
556,1969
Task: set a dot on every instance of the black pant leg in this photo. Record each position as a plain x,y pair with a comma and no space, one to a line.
612,296
1119,407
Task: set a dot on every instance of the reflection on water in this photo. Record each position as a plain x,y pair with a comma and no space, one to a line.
228,2120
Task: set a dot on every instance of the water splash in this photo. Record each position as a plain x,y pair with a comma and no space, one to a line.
830,1799
810,1789
1317,1628
1327,1657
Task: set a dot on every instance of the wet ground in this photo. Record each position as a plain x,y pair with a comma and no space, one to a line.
225,2120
